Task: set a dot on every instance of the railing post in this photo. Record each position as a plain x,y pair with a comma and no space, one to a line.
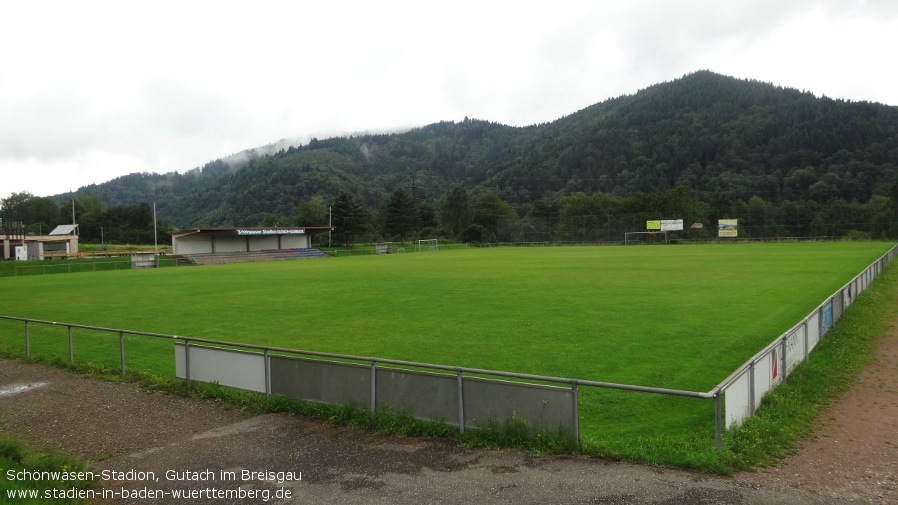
575,393
718,424
461,402
27,341
751,388
121,350
820,324
807,352
373,386
187,360
784,347
267,374
71,353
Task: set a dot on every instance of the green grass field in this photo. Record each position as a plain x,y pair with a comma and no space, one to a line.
680,317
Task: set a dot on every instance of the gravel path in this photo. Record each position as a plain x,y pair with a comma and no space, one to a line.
165,441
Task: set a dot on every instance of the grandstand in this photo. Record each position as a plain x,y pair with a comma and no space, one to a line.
207,246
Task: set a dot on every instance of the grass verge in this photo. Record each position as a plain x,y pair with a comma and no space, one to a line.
16,486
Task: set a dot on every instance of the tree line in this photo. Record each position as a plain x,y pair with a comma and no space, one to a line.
484,217
97,222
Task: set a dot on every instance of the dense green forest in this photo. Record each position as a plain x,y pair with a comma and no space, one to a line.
703,147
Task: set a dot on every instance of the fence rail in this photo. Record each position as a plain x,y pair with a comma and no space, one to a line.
68,267
441,392
195,357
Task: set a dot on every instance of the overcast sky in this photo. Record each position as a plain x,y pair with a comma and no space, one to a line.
93,90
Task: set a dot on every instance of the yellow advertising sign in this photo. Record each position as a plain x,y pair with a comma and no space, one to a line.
664,225
727,227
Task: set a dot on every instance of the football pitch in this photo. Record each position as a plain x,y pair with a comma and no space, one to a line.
677,317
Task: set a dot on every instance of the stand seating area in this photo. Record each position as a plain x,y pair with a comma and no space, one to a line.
246,257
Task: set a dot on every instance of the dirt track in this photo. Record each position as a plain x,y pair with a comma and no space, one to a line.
121,428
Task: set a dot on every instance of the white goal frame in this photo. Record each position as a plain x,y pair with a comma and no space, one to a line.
630,233
432,244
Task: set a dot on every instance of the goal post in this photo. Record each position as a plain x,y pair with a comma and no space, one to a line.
646,237
429,244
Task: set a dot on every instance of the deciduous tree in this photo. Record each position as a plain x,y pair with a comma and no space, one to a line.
457,211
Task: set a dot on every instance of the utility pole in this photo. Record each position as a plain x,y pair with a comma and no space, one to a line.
155,236
414,186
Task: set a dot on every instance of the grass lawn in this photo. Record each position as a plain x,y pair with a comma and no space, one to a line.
15,458
681,317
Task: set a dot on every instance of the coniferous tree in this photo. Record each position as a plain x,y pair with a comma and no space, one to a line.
402,217
349,217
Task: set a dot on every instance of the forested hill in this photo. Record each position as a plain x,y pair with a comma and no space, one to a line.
714,134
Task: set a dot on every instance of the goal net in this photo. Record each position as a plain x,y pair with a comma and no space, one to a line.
646,237
429,244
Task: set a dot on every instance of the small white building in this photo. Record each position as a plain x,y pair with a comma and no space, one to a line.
61,243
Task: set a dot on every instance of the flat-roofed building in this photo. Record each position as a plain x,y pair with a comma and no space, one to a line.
228,245
61,243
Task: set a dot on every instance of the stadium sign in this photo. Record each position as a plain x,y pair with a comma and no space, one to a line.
270,231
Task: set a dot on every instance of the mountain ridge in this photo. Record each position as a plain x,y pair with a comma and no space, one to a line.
714,134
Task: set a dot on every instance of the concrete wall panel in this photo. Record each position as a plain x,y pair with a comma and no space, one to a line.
295,242
228,367
425,395
226,244
736,401
321,381
193,244
547,407
261,243
813,330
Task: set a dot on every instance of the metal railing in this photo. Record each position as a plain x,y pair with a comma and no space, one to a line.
267,351
70,266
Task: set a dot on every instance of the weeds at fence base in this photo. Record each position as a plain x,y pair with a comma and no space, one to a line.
515,433
16,456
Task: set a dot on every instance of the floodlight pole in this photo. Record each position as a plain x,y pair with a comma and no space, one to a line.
155,234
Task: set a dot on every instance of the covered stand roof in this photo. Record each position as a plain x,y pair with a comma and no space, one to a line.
65,229
250,231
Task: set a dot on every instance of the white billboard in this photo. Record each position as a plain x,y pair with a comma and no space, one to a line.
664,224
671,224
